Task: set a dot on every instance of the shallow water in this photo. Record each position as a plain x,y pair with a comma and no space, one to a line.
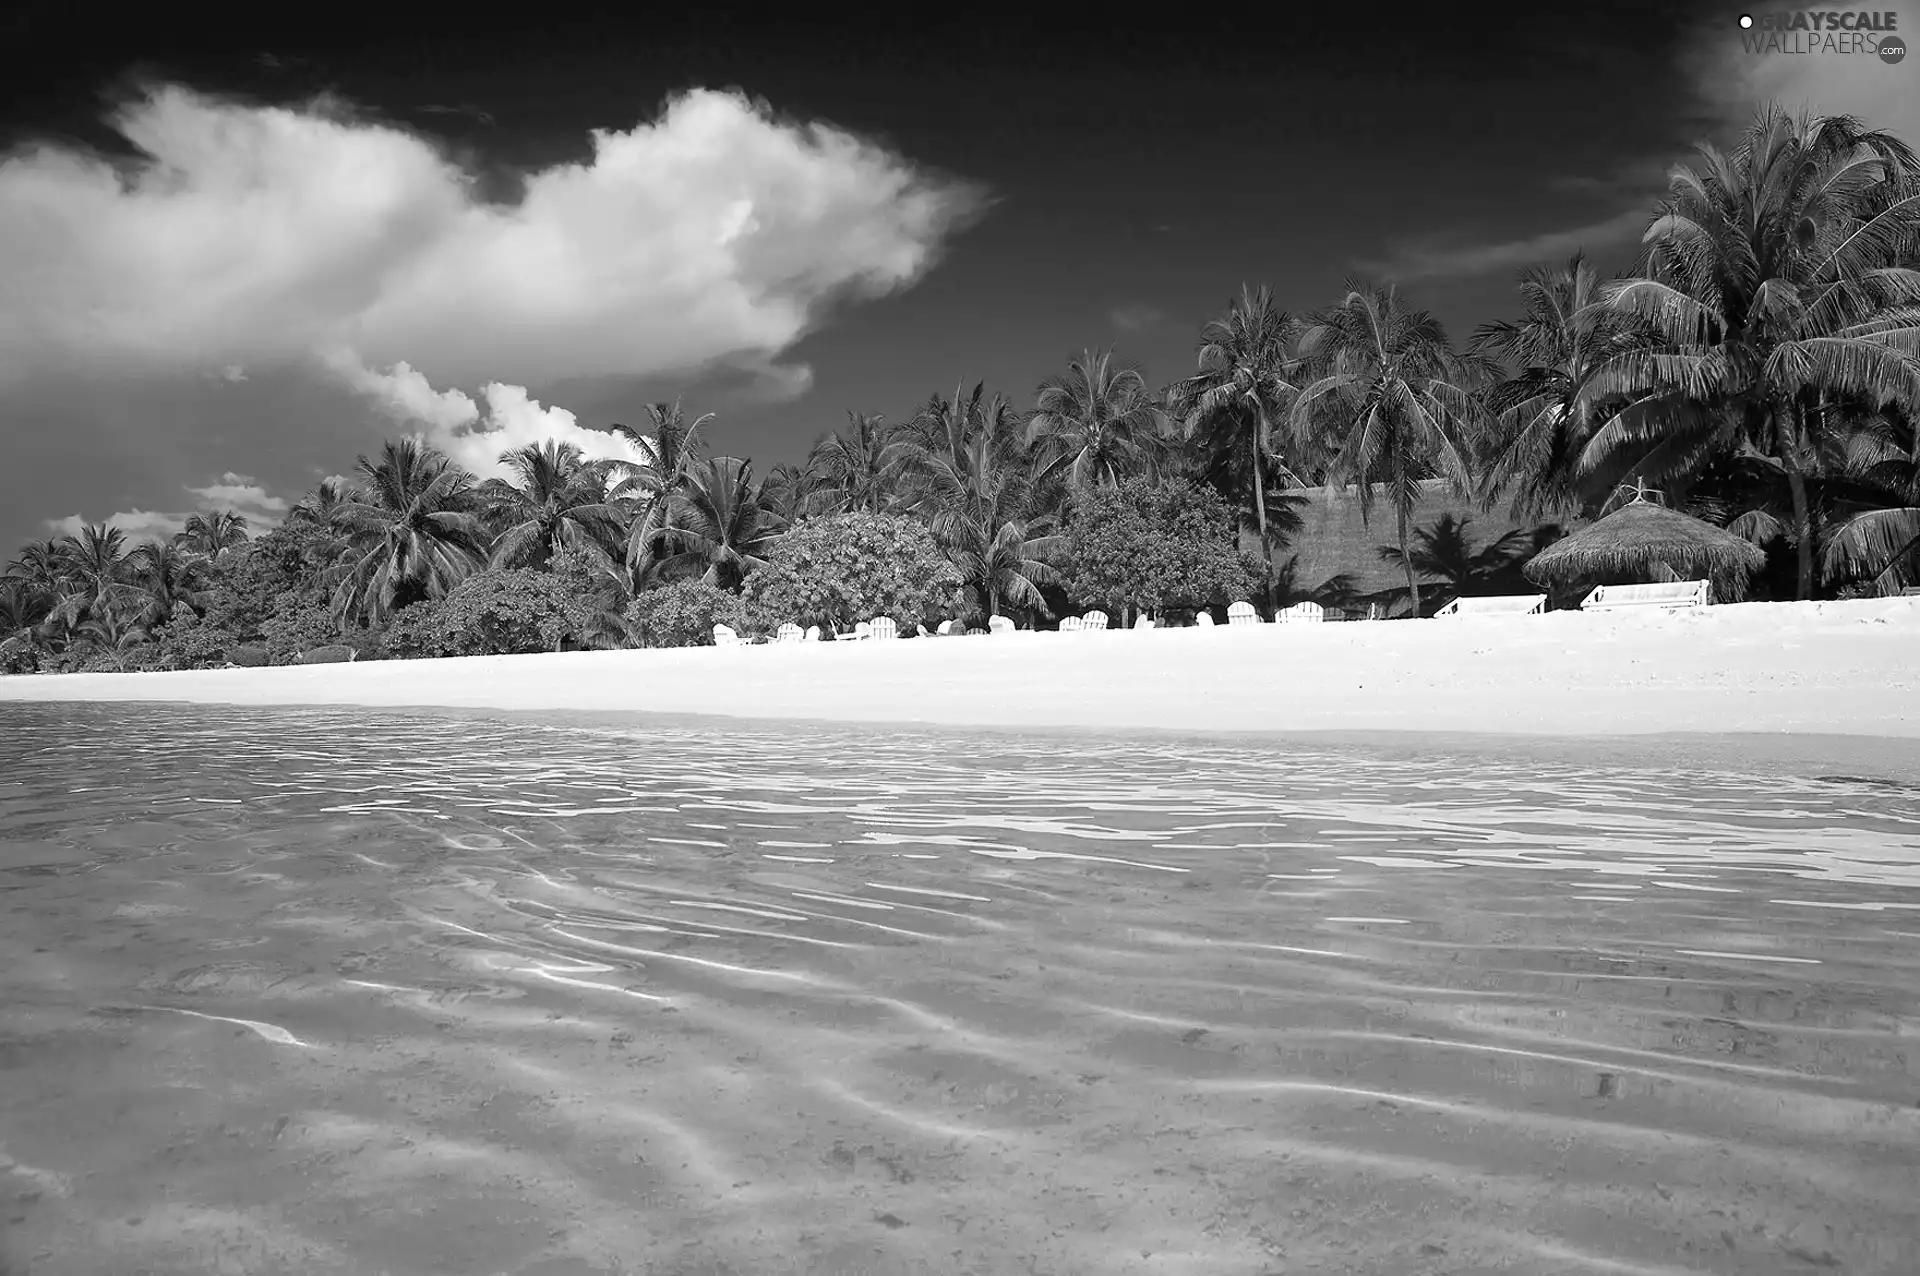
353,992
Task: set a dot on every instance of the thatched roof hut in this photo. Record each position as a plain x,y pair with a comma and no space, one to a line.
1641,542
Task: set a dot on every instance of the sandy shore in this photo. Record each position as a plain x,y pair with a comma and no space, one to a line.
1845,668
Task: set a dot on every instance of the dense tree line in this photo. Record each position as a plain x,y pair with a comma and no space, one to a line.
1759,365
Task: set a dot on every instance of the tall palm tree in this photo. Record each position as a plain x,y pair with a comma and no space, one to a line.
170,576
967,470
670,449
1875,532
320,505
1541,412
1247,381
1778,275
412,529
1386,383
720,525
795,492
850,466
212,534
557,499
96,570
1098,422
40,564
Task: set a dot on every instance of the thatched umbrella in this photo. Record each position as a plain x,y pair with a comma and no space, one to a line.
1642,541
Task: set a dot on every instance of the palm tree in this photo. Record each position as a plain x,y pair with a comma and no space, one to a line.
412,531
1541,413
1246,382
40,564
1778,277
212,534
95,574
968,471
670,448
559,502
794,491
719,524
1098,421
170,577
1387,384
1444,549
850,466
1875,529
320,505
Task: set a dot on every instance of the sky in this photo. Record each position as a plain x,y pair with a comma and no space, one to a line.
235,255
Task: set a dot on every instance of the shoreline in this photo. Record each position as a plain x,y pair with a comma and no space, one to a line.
1829,668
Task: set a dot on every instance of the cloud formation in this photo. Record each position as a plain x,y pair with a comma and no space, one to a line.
240,493
255,234
1462,260
451,421
1733,82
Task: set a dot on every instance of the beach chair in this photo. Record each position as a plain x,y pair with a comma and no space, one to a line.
1299,613
1910,592
1095,620
724,636
1242,613
1676,595
1143,622
861,632
1505,605
1203,619
787,633
950,628
999,625
812,634
972,632
1071,624
883,627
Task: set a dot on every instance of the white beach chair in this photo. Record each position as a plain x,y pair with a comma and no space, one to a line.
1299,613
812,634
883,627
1677,595
1071,624
861,632
787,633
999,625
1095,620
949,628
724,636
1143,622
1203,619
972,632
1242,613
1505,605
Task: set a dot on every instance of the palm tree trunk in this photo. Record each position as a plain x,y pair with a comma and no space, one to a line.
1786,440
1260,514
1400,508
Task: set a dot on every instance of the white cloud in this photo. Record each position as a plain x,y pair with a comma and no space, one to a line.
1461,260
257,234
1134,317
236,492
455,424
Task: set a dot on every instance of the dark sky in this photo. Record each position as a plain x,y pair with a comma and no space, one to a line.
1140,170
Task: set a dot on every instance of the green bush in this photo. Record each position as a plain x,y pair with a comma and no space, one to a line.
841,570
1155,546
684,613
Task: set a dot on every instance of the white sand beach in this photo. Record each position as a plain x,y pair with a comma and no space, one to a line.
1830,667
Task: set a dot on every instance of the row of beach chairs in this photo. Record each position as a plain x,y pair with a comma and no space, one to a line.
1667,596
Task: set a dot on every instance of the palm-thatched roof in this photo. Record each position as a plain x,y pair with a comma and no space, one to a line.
1641,542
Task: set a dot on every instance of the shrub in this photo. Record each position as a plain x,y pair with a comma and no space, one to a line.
847,568
684,613
339,653
1155,546
250,656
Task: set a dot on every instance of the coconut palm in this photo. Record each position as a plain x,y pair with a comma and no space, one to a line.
1875,527
1384,381
1098,422
967,470
794,491
95,575
319,506
670,448
719,524
1445,550
1777,276
850,466
1541,415
40,564
169,576
412,531
1246,382
212,534
557,499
